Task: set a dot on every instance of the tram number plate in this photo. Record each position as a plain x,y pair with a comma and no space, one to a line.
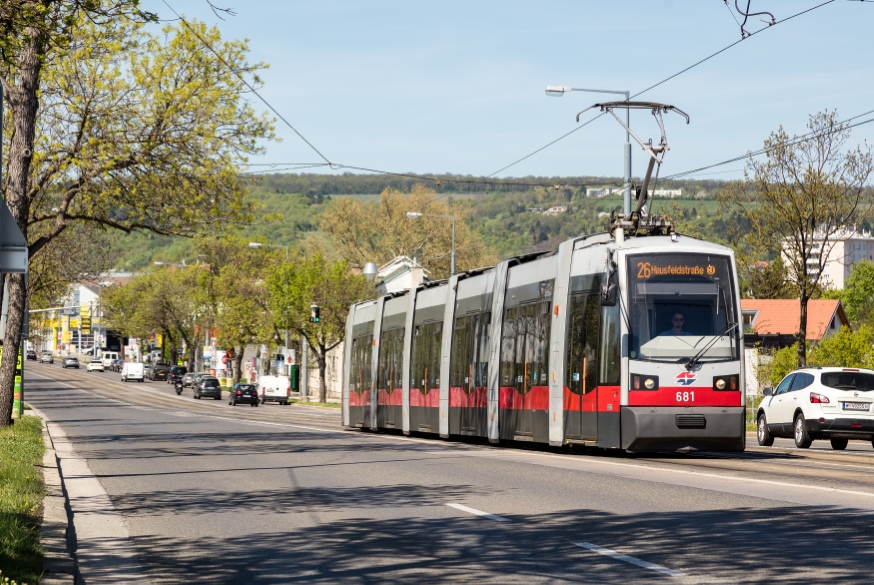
856,405
686,396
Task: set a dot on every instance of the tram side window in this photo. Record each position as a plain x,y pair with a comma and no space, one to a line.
540,353
417,365
583,341
390,359
481,350
611,346
360,375
459,361
425,373
508,349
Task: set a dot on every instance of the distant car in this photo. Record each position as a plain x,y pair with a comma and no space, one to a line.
176,373
209,387
116,365
70,362
244,394
46,357
95,366
31,354
819,403
159,372
188,379
147,370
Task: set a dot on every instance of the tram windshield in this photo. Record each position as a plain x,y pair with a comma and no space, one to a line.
680,306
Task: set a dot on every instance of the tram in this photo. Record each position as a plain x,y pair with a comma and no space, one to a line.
627,339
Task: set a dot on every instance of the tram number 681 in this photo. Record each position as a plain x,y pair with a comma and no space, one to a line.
685,396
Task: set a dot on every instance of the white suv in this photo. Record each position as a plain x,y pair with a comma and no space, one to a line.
819,403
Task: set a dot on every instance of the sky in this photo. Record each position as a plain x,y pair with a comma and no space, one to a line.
458,86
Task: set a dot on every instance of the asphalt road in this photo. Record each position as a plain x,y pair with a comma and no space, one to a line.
169,489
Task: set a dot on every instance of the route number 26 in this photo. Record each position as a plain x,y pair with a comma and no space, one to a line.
685,396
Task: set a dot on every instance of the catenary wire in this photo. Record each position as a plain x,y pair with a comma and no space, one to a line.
797,140
665,80
249,85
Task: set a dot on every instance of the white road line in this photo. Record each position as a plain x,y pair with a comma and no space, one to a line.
478,512
634,561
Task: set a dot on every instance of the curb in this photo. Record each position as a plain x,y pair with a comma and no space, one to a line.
59,565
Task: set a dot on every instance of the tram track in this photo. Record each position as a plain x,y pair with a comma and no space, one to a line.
805,468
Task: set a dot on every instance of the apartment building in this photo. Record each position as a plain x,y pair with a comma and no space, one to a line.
847,249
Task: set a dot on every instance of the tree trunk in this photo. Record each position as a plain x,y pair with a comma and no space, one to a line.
802,332
323,387
24,104
238,363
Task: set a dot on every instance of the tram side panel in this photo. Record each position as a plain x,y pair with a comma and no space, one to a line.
427,338
592,365
524,389
469,357
389,385
360,366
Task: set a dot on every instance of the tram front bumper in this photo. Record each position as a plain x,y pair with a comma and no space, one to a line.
693,428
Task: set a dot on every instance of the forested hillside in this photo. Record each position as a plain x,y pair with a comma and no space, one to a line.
511,214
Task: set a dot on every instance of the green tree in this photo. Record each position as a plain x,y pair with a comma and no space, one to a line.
295,286
121,129
857,296
846,348
768,282
378,232
800,201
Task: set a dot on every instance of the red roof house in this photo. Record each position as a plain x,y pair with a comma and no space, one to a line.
781,317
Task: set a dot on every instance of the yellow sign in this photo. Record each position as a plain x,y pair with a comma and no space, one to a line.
74,322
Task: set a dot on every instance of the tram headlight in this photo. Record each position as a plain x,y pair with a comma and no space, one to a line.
730,383
643,382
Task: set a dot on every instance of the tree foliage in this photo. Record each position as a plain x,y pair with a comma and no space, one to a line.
802,199
331,285
857,296
378,232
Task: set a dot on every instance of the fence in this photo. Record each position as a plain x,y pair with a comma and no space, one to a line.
752,406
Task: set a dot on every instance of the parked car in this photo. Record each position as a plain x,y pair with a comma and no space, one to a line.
188,379
819,403
46,357
244,394
31,354
132,371
209,386
159,372
176,374
70,362
95,365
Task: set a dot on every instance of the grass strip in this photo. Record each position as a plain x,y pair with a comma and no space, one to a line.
21,494
323,404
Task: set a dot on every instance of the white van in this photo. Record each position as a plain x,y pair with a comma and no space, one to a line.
108,358
131,371
274,389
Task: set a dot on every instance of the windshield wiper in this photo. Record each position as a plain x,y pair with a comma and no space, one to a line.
694,361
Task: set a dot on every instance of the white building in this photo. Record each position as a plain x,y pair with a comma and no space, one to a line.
846,250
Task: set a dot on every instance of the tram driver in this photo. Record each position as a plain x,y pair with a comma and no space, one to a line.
677,322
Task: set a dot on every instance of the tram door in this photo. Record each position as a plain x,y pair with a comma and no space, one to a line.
581,403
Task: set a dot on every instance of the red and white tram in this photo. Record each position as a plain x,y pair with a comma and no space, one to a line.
628,344
620,343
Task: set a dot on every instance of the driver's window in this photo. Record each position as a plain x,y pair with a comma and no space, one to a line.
784,385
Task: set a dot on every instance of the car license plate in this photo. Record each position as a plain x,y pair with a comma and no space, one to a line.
856,405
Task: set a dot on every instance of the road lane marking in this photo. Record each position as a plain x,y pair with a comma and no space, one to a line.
511,455
633,560
476,512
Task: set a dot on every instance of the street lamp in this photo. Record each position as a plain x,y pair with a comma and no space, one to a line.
559,90
417,215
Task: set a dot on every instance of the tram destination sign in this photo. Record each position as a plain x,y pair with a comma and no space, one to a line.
647,269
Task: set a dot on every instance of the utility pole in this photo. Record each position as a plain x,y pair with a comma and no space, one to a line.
304,366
